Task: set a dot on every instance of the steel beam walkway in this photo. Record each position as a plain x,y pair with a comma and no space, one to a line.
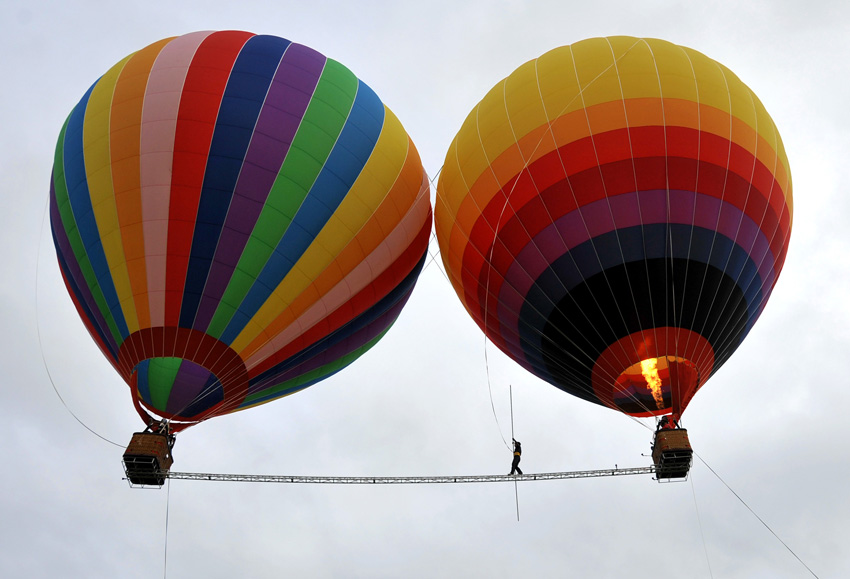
361,480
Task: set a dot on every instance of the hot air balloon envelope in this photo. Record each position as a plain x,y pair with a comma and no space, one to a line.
614,215
236,217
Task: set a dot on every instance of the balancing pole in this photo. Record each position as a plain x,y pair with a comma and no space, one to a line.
516,491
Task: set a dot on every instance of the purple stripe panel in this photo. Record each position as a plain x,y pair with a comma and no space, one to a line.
618,212
287,100
187,386
85,296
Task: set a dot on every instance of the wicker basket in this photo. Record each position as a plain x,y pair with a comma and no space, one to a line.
146,458
672,453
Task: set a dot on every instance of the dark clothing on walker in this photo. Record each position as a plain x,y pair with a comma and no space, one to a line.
515,464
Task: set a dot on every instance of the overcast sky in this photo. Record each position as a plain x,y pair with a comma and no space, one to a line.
771,422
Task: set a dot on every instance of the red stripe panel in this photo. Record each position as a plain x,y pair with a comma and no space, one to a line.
557,197
202,93
518,228
586,185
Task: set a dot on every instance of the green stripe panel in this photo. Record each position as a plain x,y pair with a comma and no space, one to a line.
161,375
320,128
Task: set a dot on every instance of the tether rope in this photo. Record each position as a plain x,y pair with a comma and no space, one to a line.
40,342
760,520
701,533
167,509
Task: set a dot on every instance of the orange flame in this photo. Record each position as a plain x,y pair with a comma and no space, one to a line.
649,369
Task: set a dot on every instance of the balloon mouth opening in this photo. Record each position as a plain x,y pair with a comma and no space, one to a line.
177,388
654,386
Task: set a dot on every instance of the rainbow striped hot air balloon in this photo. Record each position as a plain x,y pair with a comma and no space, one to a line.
614,215
236,217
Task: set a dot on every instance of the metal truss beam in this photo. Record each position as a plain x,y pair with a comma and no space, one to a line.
361,480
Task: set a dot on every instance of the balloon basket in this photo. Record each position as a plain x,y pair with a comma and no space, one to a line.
672,454
147,459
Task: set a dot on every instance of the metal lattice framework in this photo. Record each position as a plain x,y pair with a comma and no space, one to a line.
359,480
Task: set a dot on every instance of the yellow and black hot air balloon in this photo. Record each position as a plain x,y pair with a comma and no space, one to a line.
614,215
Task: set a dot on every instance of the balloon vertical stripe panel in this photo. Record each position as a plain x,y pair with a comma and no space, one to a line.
318,130
358,334
344,226
612,202
124,150
200,105
71,275
106,252
77,217
333,182
248,84
325,308
288,97
236,217
161,95
345,282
